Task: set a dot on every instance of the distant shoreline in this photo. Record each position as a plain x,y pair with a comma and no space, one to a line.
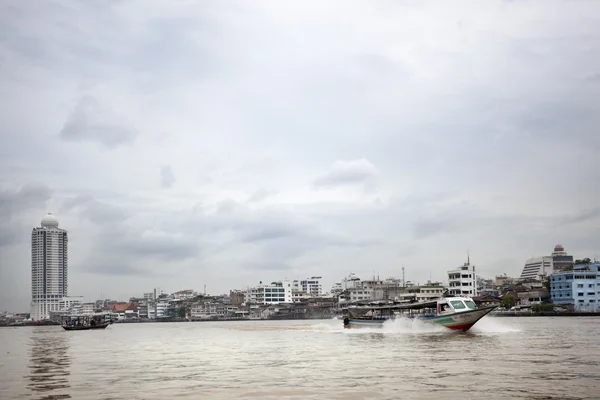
153,321
547,314
505,314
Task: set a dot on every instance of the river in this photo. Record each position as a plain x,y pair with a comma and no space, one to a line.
500,358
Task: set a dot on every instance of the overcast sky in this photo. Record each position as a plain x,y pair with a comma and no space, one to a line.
232,142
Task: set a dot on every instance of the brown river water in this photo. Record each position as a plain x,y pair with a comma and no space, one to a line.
500,358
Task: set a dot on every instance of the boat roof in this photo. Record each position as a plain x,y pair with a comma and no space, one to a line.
406,306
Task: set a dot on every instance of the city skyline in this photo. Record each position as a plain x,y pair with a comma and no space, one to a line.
58,268
189,146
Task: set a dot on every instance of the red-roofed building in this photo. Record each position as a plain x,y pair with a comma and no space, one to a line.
125,310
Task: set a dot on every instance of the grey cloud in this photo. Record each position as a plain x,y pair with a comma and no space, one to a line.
272,268
163,250
95,211
15,206
269,233
424,228
30,196
112,269
167,178
580,217
593,78
227,207
90,122
126,251
348,173
259,195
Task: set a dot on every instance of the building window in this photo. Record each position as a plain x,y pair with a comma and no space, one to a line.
580,294
580,285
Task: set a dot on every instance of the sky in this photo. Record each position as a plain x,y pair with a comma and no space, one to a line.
184,144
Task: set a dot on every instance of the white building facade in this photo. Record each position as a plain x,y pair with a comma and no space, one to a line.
312,285
539,268
273,293
463,281
49,268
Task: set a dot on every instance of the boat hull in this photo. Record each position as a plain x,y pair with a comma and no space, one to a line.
84,328
462,321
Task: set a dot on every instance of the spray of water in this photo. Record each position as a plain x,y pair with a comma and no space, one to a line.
493,325
412,325
416,326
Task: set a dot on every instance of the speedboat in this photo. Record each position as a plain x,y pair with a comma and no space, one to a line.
456,313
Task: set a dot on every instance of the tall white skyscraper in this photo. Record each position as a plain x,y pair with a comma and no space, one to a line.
49,268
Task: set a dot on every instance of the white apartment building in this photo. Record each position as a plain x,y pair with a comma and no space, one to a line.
298,297
87,308
208,310
273,293
183,295
537,268
463,281
49,268
350,282
312,285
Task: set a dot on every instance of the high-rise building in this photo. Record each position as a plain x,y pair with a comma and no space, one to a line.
49,268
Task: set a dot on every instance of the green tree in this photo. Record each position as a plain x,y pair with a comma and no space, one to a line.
508,301
547,283
542,307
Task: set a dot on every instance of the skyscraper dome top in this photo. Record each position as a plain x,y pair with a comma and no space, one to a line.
559,247
49,221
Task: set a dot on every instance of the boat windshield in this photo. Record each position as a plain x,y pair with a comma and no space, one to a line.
470,304
457,304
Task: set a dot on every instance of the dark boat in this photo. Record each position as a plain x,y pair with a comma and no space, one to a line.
84,322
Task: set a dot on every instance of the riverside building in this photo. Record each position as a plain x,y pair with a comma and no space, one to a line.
579,287
463,281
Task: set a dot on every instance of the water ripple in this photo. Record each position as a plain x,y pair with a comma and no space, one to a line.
504,358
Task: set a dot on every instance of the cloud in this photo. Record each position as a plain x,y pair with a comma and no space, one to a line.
30,196
17,203
167,178
129,252
89,121
258,196
93,210
478,135
344,173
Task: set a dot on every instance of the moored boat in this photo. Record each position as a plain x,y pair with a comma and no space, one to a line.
456,313
85,322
